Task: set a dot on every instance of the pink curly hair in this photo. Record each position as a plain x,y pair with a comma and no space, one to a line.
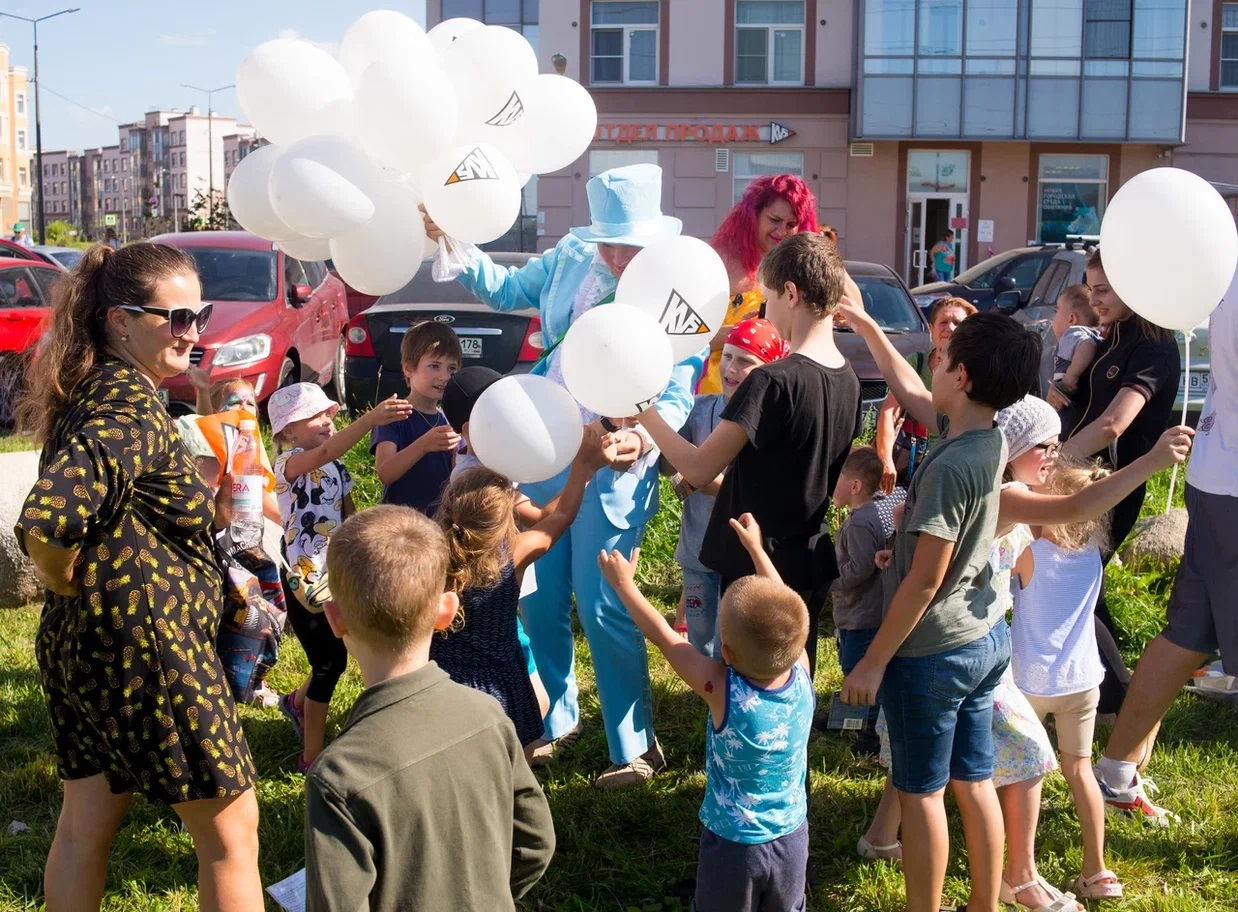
736,237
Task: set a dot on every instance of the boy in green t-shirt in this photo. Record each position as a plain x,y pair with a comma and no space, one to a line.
943,643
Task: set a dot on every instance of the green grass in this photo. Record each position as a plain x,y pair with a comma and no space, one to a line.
13,443
625,850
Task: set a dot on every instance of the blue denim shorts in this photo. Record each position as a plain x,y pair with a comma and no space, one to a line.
939,710
702,590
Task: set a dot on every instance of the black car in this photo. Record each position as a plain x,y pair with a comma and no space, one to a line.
1014,270
512,342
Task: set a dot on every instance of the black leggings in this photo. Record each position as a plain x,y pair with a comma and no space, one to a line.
1113,687
326,652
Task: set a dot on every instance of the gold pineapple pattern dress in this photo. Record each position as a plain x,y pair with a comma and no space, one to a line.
133,684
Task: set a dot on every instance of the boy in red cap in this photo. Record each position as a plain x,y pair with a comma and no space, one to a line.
749,344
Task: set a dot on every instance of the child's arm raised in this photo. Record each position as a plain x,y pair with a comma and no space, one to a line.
699,465
928,568
887,418
749,532
558,514
905,384
391,464
705,676
1022,506
343,440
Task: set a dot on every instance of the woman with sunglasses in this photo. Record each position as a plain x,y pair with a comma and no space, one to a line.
119,529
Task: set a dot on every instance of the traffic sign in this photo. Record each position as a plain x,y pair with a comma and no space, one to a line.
109,220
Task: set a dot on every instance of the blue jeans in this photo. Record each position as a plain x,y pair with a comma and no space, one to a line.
852,644
939,710
702,590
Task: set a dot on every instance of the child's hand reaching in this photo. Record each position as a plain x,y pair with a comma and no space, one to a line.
618,570
850,310
749,532
389,411
201,379
1172,447
883,557
441,439
592,454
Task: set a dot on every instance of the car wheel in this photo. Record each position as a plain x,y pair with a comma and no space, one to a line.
287,373
337,373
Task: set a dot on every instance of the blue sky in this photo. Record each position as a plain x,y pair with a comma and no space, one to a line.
122,58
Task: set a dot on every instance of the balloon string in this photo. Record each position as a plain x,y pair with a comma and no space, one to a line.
1186,400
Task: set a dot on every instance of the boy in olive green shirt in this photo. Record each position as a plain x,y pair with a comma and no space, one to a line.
943,643
424,801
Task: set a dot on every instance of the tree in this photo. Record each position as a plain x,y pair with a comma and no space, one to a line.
62,234
198,214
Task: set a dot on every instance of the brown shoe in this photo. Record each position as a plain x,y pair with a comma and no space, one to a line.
639,770
543,750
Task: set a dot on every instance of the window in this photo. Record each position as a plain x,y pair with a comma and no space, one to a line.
1072,195
453,9
20,103
748,166
1229,45
624,42
604,159
22,178
769,42
1107,29
941,28
21,140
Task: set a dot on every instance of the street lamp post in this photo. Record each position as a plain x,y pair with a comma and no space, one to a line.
210,138
38,126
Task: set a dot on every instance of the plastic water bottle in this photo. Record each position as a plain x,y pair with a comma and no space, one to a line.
248,484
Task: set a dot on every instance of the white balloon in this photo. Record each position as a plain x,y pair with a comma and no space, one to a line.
559,123
374,259
492,69
525,427
323,186
290,89
1170,247
406,111
616,360
430,250
305,248
248,200
682,284
383,34
471,192
443,35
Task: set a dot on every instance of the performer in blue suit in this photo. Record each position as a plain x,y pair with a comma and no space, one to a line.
579,273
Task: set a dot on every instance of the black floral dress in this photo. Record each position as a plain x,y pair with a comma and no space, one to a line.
133,684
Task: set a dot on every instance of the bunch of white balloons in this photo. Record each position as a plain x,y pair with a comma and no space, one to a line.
456,119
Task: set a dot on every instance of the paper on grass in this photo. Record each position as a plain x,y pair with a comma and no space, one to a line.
290,892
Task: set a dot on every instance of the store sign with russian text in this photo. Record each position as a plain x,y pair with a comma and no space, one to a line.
772,133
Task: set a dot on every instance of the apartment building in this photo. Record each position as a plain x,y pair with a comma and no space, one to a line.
16,144
1002,120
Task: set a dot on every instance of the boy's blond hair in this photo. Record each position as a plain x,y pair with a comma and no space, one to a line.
764,626
1079,299
388,568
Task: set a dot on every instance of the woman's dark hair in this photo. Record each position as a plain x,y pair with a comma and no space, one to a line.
103,279
1149,330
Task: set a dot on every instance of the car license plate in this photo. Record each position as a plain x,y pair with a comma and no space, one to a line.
1199,385
471,346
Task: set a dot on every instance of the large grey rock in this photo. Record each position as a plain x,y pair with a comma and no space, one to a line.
18,584
1157,541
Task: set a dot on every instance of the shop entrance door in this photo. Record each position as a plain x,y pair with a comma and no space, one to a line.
929,217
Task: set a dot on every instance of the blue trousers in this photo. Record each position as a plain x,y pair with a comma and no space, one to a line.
616,645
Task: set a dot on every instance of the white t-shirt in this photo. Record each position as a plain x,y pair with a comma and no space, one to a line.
1214,455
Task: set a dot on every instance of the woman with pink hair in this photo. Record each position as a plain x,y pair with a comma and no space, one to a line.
772,208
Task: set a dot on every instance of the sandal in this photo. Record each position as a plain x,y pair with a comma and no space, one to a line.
1060,902
1103,885
892,852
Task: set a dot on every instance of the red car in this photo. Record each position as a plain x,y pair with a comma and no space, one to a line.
277,320
25,302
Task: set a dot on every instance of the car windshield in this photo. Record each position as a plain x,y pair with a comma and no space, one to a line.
888,304
68,258
983,273
235,275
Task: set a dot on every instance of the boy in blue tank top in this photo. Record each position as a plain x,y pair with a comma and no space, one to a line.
754,849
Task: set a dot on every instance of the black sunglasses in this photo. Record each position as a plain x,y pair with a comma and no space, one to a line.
179,318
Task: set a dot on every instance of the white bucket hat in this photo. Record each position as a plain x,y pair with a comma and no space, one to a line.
1028,422
296,403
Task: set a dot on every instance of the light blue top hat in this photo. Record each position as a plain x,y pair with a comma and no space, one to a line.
626,207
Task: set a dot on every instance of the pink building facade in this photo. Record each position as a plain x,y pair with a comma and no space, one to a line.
1002,121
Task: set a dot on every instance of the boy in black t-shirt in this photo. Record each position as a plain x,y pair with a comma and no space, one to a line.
785,433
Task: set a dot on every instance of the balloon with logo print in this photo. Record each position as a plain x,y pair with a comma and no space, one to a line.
374,259
682,284
248,199
525,427
559,123
443,35
491,69
406,111
471,192
323,186
616,360
289,89
1174,278
383,35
